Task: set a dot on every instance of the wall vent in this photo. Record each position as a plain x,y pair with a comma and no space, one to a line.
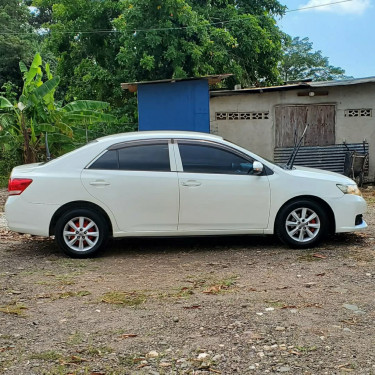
242,115
358,112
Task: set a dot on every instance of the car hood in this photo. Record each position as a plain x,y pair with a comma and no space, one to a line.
320,174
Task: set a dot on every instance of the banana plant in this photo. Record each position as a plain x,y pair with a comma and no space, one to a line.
36,112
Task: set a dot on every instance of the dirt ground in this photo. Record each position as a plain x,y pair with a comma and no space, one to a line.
235,305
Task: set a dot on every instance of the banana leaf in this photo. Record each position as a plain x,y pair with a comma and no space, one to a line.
46,87
83,105
5,103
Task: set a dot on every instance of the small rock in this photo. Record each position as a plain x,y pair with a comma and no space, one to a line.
260,354
350,307
203,356
360,312
368,274
269,308
217,357
251,367
176,319
260,314
278,328
283,369
293,311
152,354
165,364
347,330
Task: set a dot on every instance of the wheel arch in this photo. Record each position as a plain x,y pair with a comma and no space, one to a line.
327,208
77,205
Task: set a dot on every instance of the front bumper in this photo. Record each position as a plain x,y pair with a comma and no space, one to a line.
346,210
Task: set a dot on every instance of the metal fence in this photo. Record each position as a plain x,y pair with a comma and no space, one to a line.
330,158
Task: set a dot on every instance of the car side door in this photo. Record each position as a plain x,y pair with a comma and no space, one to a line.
138,182
218,189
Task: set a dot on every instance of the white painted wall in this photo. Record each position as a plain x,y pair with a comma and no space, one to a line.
259,135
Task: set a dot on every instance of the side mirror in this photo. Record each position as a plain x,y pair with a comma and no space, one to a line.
257,168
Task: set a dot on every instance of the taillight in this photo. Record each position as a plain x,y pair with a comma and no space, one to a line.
17,185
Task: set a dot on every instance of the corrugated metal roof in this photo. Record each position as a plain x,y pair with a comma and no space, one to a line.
343,82
212,79
294,86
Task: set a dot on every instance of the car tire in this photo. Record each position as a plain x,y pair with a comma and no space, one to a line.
301,224
81,233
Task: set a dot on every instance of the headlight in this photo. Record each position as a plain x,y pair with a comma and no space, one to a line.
349,189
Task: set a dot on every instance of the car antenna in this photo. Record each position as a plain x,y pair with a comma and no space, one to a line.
48,154
290,162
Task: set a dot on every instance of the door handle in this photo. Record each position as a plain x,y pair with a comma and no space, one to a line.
191,183
99,183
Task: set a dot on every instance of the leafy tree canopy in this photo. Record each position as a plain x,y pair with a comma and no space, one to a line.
100,44
300,62
182,38
16,40
86,51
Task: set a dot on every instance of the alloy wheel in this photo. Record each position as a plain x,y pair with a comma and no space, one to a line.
81,233
302,224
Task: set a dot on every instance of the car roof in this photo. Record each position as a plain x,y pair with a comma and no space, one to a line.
121,137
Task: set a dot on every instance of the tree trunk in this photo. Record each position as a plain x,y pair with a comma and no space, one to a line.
28,152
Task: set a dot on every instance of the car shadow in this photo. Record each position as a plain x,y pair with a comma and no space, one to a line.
37,247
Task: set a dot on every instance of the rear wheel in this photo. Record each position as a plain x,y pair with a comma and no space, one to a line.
81,233
302,223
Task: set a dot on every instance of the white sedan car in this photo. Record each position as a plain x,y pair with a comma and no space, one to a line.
176,184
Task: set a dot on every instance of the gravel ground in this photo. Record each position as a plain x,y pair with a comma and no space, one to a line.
236,305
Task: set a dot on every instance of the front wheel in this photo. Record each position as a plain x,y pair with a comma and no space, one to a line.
81,233
301,224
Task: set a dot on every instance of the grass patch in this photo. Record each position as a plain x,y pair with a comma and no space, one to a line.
64,295
213,285
14,308
76,338
309,256
124,298
49,355
97,351
276,304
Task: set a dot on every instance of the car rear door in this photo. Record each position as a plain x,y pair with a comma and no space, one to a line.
138,182
218,191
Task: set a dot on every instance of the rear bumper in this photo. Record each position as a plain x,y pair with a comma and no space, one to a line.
25,217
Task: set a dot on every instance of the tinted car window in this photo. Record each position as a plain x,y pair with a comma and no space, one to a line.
152,157
210,159
109,160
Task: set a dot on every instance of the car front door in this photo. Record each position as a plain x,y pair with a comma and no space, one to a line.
137,181
218,190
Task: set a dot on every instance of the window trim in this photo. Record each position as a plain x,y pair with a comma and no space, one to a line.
135,143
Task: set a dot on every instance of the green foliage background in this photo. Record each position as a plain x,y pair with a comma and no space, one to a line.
94,46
